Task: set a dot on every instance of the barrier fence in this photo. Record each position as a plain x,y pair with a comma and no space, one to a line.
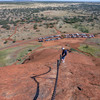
55,86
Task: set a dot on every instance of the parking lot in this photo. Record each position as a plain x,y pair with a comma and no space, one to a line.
57,37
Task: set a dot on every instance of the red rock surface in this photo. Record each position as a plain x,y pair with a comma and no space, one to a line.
79,76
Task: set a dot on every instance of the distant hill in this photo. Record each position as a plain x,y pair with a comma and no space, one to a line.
22,0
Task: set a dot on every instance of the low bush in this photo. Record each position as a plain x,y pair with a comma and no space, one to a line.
6,26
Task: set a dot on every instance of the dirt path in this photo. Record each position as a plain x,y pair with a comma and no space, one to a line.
58,32
16,27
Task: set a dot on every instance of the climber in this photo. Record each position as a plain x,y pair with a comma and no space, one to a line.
64,53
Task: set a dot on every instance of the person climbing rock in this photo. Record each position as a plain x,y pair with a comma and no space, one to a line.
64,53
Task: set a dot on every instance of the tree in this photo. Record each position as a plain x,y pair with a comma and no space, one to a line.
35,26
6,26
5,42
84,30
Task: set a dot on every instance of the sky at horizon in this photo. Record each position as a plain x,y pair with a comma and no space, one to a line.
59,0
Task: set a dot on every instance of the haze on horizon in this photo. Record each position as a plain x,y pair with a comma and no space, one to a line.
57,0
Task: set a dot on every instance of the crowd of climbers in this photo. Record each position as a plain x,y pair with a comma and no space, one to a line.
57,37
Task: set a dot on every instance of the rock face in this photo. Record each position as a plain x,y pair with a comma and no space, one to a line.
79,77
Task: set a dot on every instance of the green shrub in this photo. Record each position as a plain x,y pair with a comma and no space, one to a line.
35,26
14,41
6,26
5,42
30,50
72,49
84,30
19,59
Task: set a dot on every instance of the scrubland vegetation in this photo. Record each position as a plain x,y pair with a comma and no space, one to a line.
80,17
9,56
91,46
